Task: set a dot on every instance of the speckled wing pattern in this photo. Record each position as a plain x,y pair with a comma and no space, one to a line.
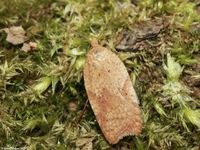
111,94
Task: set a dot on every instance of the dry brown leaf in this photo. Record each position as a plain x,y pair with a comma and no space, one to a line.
26,47
111,94
33,45
15,35
135,40
29,46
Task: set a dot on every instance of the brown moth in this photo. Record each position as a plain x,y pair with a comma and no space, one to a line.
111,94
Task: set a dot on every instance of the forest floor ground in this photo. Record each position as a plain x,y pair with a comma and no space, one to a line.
43,44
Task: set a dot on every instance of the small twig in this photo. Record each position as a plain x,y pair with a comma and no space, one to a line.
82,112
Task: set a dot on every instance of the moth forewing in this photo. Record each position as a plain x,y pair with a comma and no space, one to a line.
111,94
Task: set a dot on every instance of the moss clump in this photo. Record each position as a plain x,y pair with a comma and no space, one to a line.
38,88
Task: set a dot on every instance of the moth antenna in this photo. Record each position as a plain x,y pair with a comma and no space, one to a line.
94,42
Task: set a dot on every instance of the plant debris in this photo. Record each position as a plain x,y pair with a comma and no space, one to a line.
29,46
15,35
42,92
133,40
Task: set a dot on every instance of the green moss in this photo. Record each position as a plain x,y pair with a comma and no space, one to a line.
36,88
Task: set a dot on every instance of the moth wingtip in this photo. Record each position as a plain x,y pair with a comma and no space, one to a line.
115,140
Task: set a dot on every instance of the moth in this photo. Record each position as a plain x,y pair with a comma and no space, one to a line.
111,94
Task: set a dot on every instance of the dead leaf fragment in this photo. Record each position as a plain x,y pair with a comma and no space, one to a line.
26,47
84,143
15,35
29,46
134,40
33,45
111,94
88,146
